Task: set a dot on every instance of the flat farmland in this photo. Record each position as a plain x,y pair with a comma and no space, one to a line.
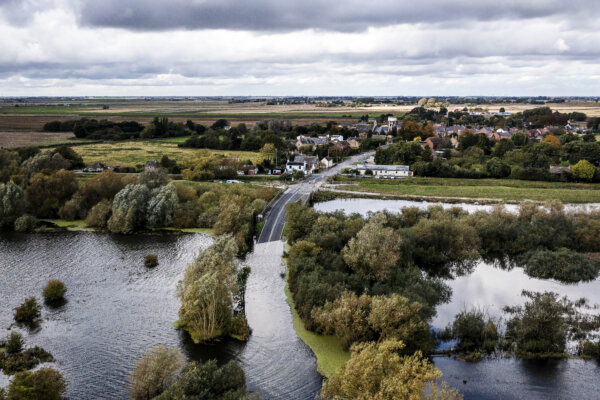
132,153
13,139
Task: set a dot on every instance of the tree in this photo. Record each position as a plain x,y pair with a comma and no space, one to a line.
422,102
497,168
540,325
43,384
375,250
129,209
12,204
519,139
379,372
207,291
583,170
268,151
553,140
208,381
162,206
47,193
155,372
153,179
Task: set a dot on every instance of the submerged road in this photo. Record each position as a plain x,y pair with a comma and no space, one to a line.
275,219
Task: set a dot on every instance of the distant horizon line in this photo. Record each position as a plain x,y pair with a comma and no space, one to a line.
541,97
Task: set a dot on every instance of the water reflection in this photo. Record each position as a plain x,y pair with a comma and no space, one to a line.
364,206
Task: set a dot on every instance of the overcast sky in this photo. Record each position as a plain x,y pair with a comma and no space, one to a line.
299,47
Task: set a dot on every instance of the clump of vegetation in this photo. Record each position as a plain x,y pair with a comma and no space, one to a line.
365,318
208,381
13,343
54,291
27,312
14,359
473,332
26,223
155,372
380,371
150,260
43,384
563,265
208,291
544,324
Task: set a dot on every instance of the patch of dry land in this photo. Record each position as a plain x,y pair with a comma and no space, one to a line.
11,140
137,152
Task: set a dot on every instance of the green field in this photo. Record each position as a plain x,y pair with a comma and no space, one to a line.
137,152
502,189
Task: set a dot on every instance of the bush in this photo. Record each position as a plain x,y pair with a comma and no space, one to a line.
155,372
54,291
208,381
28,311
98,215
563,265
14,342
12,363
44,384
151,260
26,223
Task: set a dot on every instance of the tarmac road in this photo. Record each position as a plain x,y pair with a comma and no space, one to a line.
275,219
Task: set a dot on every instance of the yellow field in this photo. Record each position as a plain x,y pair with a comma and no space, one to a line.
132,153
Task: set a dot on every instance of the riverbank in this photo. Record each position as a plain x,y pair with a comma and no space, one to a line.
330,354
79,225
480,190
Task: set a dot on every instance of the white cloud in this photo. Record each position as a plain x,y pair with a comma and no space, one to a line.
56,55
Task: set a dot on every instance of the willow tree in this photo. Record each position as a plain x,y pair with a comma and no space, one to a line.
380,372
207,292
12,204
129,209
375,250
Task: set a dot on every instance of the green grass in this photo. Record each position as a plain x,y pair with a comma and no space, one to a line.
206,231
503,189
137,152
177,140
75,226
330,354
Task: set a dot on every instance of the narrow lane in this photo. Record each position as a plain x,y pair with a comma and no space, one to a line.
275,219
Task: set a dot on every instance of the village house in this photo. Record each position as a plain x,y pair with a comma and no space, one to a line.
151,165
434,143
326,163
392,122
384,171
354,142
96,167
306,164
501,134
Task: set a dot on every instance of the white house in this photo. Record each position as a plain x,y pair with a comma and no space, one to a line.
292,167
385,171
326,162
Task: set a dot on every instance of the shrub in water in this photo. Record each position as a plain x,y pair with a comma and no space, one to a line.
28,311
54,291
46,383
151,260
14,342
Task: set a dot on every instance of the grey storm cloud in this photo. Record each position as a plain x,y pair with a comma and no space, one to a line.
340,15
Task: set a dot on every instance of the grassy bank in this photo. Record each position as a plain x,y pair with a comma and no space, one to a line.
80,226
329,351
503,189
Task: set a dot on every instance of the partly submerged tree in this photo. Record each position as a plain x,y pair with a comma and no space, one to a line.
129,209
380,372
207,292
155,372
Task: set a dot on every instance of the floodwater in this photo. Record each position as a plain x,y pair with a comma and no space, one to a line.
364,206
116,309
491,288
